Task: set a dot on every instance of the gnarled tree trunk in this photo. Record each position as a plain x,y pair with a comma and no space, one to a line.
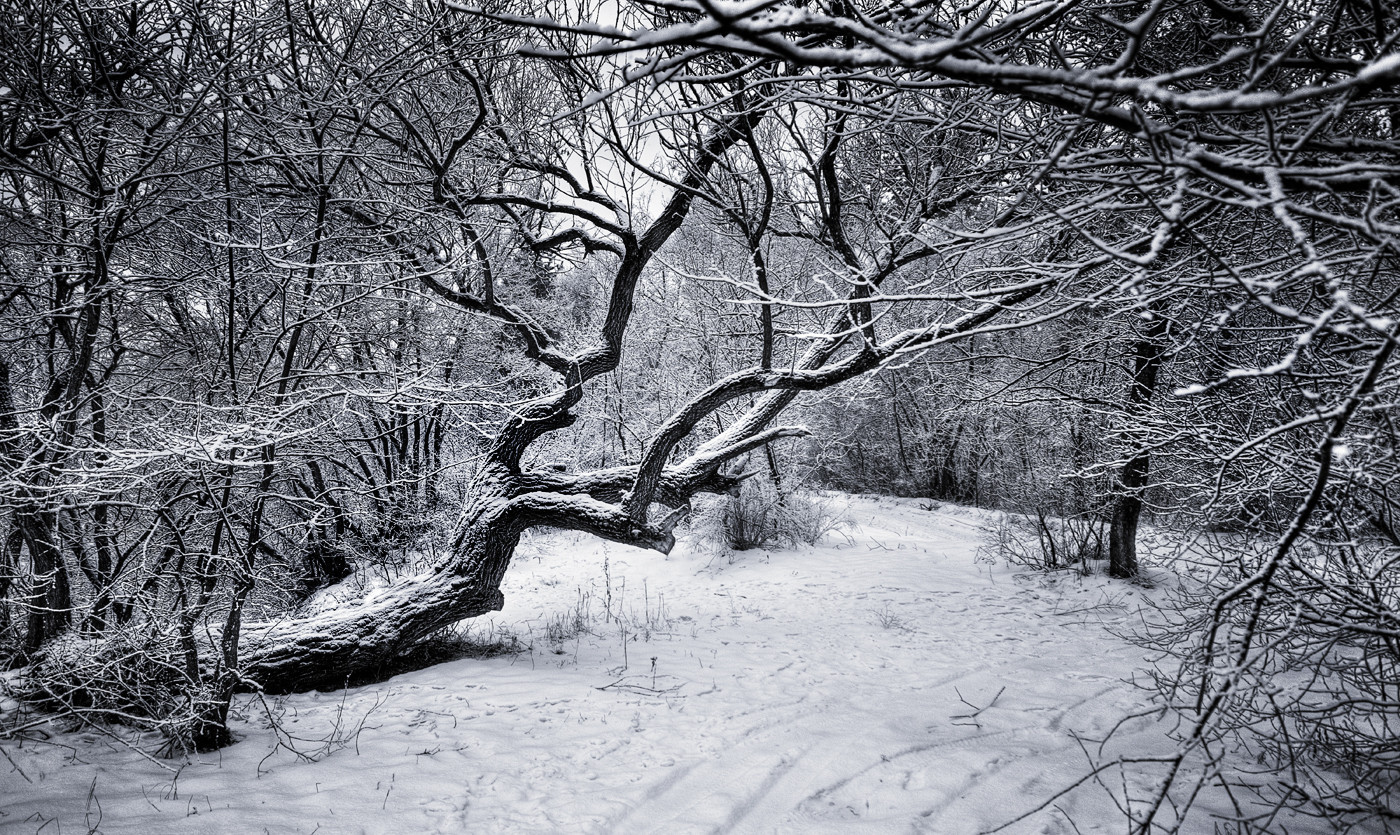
338,638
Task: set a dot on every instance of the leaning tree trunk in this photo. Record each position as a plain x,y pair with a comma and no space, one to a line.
326,645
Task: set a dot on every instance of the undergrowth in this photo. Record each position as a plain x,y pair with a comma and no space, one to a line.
764,515
1042,542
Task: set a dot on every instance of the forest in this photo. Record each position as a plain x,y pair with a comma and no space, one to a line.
312,312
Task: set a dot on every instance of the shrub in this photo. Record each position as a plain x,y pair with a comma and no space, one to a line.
134,676
1041,542
762,514
128,674
1303,671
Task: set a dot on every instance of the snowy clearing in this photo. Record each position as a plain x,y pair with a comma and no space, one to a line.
885,681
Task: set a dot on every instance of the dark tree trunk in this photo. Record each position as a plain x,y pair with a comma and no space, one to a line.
9,570
1148,353
1123,525
49,601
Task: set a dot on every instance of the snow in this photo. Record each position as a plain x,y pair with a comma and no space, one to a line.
883,681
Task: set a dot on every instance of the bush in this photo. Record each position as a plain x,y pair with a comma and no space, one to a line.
1041,542
133,676
763,515
131,673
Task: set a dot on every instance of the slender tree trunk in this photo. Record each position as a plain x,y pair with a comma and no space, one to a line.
9,572
1123,525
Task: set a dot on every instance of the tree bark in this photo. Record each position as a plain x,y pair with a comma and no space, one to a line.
326,644
49,601
325,647
1123,525
1148,353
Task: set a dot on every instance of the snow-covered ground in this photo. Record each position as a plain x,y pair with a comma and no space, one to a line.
884,681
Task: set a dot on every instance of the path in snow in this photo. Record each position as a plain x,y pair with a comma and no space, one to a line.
812,691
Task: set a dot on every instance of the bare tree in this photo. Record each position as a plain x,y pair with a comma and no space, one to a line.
571,191
316,301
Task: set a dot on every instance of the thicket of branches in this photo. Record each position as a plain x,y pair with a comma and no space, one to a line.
307,312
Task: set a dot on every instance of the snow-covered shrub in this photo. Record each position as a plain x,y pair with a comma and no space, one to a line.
763,515
1041,542
130,673
134,676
